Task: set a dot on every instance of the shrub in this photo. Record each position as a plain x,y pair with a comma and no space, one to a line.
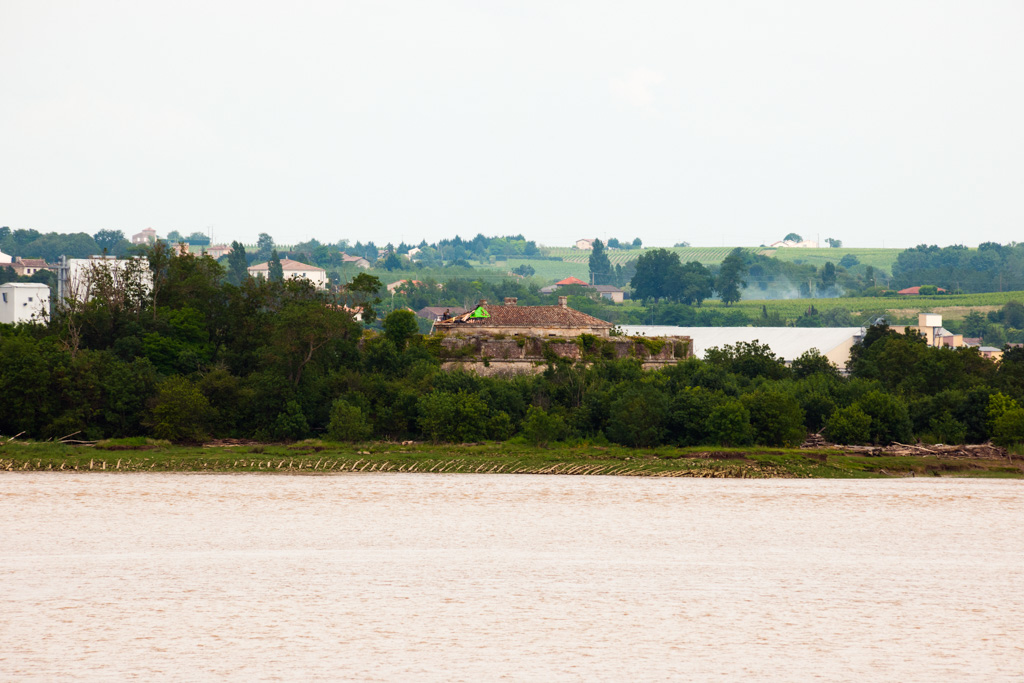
639,417
729,424
890,419
541,428
399,327
776,417
947,429
180,411
849,425
348,422
453,417
1009,428
291,424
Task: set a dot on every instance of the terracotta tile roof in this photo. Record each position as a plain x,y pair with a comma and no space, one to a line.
286,264
571,281
527,316
911,291
31,262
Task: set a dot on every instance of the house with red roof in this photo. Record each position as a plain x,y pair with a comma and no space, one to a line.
915,291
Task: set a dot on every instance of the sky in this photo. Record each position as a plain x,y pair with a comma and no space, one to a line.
880,123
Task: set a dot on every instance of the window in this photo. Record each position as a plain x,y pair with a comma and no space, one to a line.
30,298
5,297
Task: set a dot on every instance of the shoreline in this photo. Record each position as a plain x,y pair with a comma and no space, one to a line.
320,458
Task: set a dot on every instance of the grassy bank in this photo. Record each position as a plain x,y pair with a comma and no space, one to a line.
315,457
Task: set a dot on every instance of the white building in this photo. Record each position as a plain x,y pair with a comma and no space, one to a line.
788,343
77,278
24,302
4,258
293,270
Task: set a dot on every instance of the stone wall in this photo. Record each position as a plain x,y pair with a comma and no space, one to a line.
488,355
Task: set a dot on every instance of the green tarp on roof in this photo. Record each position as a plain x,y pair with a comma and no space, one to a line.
480,312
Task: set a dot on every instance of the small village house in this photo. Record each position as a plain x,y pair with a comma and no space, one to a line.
357,261
585,243
29,266
146,237
916,291
293,270
24,302
5,258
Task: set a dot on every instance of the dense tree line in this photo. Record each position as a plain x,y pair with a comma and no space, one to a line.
185,354
991,267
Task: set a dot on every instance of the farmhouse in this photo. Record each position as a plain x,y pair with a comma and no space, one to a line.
535,321
294,270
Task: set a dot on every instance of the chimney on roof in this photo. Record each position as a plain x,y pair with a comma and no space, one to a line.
483,302
510,300
563,301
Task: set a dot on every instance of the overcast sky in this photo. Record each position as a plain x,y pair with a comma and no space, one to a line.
710,122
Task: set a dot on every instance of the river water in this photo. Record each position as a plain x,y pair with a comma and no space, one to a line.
495,577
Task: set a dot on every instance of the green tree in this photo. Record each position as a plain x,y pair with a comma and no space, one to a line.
453,417
363,292
775,417
264,246
392,262
890,419
811,362
793,237
180,411
849,425
828,275
653,278
237,264
639,416
348,423
108,240
1008,429
833,243
728,424
600,266
541,428
275,273
730,277
694,283
400,326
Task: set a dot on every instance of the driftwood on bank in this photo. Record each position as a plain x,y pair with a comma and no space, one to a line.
986,451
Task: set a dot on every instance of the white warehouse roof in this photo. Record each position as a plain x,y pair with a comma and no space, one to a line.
786,342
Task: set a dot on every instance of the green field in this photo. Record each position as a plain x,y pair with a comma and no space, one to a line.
878,258
705,255
951,307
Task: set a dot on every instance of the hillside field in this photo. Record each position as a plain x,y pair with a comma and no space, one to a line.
952,307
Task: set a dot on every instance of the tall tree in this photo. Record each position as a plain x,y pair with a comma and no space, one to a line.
654,270
600,266
107,240
834,243
730,277
828,275
264,245
695,283
237,264
793,237
275,273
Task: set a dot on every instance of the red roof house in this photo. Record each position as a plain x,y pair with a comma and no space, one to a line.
914,291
